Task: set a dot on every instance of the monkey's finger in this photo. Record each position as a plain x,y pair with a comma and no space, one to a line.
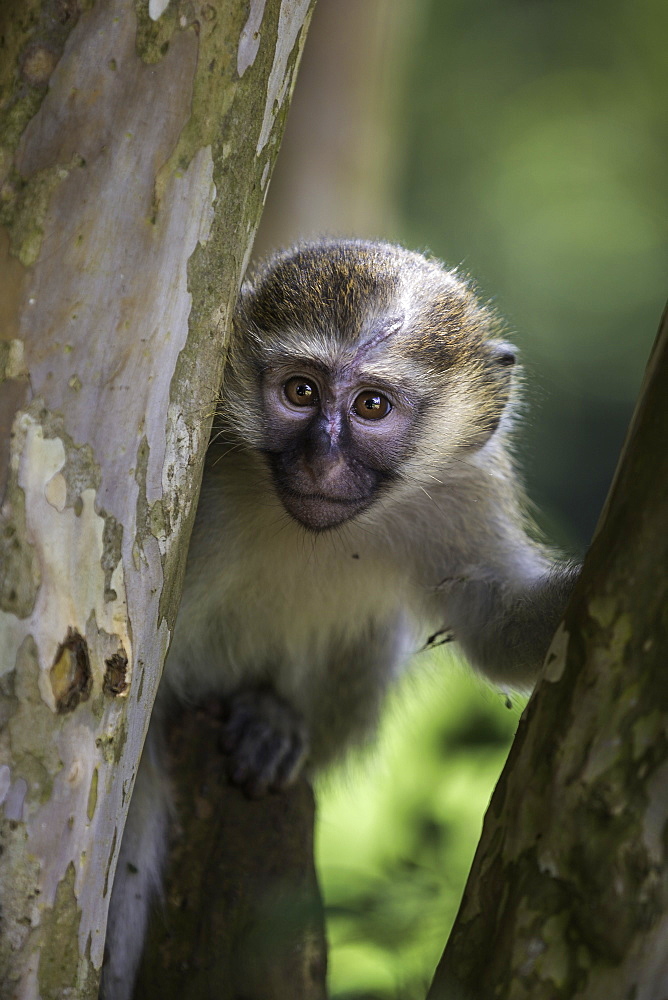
244,751
241,717
256,759
291,765
266,756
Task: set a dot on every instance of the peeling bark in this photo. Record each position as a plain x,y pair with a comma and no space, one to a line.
568,893
136,145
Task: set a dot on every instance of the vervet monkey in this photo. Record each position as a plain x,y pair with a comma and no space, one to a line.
359,497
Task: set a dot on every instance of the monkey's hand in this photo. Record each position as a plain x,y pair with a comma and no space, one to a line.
266,741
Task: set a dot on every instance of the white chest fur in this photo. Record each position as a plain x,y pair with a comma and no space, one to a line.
263,597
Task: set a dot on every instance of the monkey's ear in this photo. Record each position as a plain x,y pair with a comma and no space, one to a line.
502,353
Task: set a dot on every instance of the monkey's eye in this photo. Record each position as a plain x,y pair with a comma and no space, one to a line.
372,405
301,392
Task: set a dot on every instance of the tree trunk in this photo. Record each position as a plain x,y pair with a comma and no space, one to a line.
136,145
568,893
242,915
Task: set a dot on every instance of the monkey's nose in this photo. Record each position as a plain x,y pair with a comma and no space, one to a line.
321,441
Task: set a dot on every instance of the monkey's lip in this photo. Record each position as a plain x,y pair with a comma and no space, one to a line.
325,497
320,511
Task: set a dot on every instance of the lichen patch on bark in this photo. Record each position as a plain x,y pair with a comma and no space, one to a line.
92,795
19,567
59,959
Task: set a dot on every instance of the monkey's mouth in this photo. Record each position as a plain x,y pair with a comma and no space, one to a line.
320,512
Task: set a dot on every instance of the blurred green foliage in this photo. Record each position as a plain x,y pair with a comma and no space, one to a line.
532,143
396,835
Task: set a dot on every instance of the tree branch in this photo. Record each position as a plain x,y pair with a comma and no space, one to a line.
242,914
568,893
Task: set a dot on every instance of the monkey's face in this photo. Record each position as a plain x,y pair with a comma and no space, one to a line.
361,371
333,440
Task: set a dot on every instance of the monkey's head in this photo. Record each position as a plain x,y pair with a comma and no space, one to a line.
360,370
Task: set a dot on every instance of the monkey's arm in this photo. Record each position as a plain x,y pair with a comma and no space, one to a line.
505,626
505,593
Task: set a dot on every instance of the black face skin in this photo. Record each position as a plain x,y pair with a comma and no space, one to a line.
333,440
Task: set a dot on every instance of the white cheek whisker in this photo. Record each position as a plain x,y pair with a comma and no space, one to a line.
219,458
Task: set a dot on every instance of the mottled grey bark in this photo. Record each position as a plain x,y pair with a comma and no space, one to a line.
136,144
568,895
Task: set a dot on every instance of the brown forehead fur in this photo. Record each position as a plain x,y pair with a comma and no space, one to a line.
343,287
